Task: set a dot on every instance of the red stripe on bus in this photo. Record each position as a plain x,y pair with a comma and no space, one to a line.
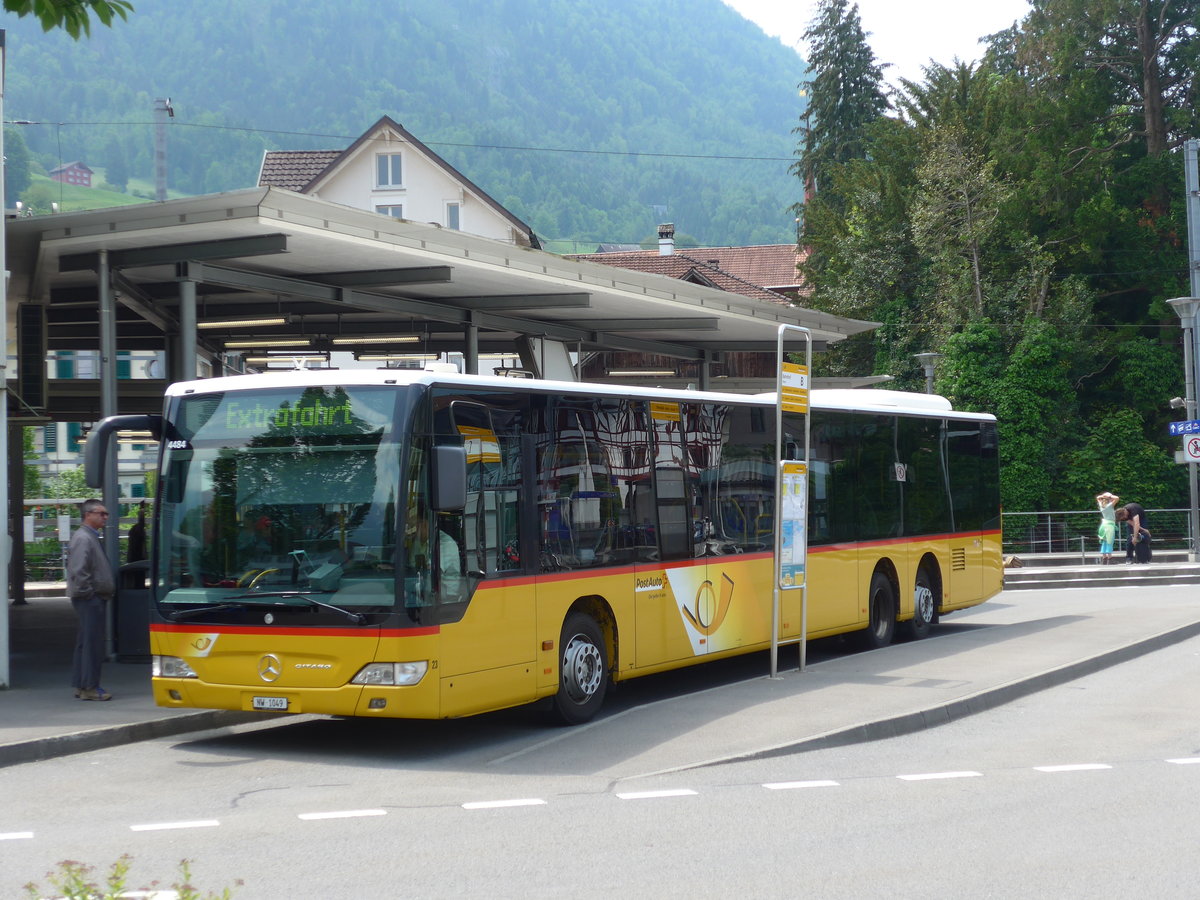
948,536
656,565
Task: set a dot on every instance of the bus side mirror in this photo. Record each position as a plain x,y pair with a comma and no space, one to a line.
95,451
449,478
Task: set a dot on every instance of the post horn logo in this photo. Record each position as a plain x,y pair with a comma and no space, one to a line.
269,667
710,612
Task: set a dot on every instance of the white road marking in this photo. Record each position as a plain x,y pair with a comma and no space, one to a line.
16,836
793,785
500,804
168,826
934,776
342,814
1186,761
1079,767
652,795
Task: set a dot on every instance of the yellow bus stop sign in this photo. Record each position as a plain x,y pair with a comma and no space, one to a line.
794,388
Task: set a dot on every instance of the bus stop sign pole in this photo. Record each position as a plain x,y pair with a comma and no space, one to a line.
791,491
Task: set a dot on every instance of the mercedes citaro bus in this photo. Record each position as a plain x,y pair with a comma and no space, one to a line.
418,544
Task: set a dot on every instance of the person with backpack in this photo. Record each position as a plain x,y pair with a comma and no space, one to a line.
1134,515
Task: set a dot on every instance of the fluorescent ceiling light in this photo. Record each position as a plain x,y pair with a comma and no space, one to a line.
388,357
637,373
243,323
288,357
385,339
254,345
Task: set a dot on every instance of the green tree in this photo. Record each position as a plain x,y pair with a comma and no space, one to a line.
33,477
68,483
845,93
1116,456
1144,52
16,164
956,212
1036,411
116,170
39,197
72,16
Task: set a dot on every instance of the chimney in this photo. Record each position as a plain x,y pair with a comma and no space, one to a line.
666,239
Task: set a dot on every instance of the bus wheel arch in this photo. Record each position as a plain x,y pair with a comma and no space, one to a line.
587,657
882,607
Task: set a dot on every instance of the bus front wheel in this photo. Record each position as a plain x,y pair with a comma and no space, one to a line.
583,670
881,604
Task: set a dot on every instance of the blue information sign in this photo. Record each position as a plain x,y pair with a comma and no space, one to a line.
1192,427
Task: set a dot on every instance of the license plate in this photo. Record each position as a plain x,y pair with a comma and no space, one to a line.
272,703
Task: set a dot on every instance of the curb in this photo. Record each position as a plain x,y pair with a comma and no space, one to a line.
894,726
101,738
943,714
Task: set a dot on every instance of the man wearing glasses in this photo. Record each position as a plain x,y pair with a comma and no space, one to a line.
90,586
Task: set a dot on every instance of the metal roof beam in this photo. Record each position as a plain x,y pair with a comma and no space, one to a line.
163,254
383,277
434,310
524,301
130,295
700,323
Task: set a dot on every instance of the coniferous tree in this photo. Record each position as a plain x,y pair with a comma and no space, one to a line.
845,93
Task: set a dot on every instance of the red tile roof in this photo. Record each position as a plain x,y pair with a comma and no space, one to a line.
762,271
294,169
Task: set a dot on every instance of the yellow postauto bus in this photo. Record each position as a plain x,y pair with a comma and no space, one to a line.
424,545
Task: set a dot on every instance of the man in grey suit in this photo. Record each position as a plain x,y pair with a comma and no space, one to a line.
90,586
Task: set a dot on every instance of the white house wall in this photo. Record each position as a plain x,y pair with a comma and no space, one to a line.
427,188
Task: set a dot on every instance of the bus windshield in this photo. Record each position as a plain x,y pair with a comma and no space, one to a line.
281,498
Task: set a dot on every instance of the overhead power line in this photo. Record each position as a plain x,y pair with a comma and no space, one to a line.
343,137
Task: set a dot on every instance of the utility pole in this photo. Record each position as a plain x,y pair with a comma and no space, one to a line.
162,110
7,537
1188,310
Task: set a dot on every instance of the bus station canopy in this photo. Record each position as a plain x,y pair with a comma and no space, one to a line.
182,272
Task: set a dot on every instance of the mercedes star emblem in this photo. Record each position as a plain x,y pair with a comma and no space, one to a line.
269,667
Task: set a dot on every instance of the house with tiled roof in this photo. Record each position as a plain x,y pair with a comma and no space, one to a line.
388,170
73,173
767,272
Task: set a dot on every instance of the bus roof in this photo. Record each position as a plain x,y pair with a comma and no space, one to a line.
862,400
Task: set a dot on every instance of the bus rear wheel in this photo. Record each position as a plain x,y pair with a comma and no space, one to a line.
583,670
881,605
924,606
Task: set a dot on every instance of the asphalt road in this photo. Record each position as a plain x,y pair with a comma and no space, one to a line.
1084,790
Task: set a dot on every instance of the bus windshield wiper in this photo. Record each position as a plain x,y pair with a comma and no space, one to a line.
178,614
356,618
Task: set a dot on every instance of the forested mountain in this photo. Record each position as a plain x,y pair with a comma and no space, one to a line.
641,112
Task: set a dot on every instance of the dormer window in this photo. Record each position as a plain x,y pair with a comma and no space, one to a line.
388,170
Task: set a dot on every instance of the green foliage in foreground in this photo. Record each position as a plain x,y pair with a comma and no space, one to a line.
74,880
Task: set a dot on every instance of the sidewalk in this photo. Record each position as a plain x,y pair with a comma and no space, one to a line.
1014,645
39,716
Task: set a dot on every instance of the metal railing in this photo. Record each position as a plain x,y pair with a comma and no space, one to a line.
1074,531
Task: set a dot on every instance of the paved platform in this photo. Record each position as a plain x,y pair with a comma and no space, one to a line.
1014,645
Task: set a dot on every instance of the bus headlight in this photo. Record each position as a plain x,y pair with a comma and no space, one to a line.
391,673
170,667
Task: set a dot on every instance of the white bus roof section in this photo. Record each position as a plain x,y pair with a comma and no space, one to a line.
339,272
845,399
